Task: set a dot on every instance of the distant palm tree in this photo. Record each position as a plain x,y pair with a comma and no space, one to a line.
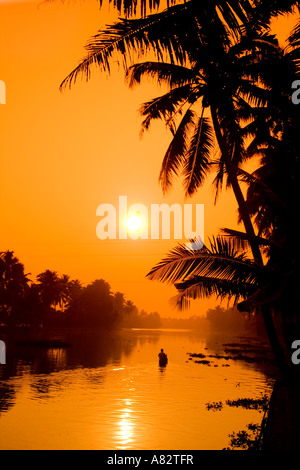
93,306
51,288
74,288
64,287
14,283
11,269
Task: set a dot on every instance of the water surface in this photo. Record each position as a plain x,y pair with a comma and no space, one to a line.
108,392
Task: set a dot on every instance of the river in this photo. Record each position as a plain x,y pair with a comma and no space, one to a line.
107,391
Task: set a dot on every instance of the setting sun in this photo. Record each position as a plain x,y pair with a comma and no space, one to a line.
149,201
134,223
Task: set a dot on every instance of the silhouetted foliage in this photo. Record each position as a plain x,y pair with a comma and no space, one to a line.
93,307
231,320
51,288
142,319
55,300
14,285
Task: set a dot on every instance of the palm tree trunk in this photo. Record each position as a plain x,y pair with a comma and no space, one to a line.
233,180
279,356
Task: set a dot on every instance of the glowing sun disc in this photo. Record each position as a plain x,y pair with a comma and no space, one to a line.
134,223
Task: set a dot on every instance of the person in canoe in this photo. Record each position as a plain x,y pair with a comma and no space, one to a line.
163,358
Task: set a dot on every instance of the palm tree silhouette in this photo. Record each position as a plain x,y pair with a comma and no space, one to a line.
167,34
53,289
218,55
223,268
223,56
14,283
224,83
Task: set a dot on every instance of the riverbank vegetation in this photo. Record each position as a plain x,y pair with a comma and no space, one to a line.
56,300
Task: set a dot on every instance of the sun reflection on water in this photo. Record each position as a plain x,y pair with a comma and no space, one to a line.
133,403
125,426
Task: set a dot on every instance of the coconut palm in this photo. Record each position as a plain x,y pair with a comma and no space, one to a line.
171,30
14,284
224,268
64,288
224,87
168,34
222,58
51,288
217,56
235,91
217,48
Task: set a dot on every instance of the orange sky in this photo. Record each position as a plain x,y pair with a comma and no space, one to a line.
63,154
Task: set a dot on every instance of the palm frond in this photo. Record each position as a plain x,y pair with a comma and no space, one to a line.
174,157
221,260
232,133
221,269
173,35
253,94
164,107
221,172
198,156
259,127
269,293
242,239
294,46
200,287
268,9
256,183
294,37
161,33
130,8
170,74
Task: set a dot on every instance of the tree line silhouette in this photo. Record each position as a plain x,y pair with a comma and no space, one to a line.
55,300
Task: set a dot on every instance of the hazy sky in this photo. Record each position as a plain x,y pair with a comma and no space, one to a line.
63,154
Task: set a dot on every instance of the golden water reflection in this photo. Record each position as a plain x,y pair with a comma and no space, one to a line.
116,396
125,431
